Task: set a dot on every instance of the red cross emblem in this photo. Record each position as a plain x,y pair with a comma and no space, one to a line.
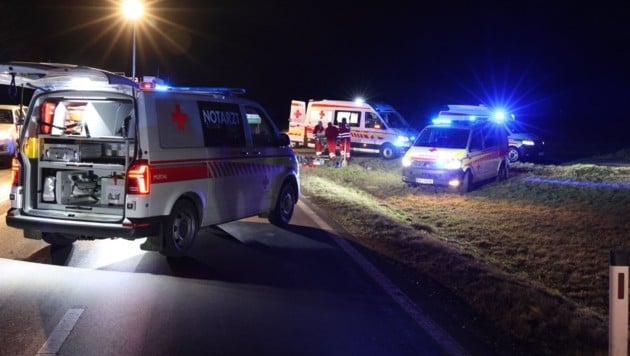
322,114
179,118
297,114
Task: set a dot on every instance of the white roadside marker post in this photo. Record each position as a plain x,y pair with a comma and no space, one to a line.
618,303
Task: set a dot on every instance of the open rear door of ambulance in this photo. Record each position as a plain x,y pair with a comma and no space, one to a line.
297,123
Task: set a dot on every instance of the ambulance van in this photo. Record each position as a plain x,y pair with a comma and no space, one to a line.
375,127
102,156
457,154
522,144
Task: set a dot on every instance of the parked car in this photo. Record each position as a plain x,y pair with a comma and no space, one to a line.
10,121
523,145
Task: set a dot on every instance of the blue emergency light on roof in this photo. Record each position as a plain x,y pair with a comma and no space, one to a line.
207,90
498,116
441,121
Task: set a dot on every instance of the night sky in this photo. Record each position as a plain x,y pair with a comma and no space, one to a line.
562,67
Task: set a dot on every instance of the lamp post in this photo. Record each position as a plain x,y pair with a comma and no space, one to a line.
133,10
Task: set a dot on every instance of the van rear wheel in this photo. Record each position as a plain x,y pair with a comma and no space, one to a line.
283,210
180,229
58,239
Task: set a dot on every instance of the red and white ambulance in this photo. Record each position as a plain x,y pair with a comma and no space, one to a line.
457,153
101,156
375,127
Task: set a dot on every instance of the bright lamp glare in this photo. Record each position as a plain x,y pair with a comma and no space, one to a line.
132,9
499,115
359,100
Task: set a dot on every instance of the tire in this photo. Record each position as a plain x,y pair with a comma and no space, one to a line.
466,185
58,239
285,204
513,154
503,173
180,229
388,151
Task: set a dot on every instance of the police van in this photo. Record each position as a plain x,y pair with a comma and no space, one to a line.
102,156
457,154
522,144
375,127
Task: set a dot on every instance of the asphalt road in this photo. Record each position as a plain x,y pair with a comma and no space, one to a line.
248,288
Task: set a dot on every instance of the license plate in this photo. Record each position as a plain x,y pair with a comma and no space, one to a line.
424,180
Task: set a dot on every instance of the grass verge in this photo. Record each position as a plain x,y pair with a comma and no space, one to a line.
530,253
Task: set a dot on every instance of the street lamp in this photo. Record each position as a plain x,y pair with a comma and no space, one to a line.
133,10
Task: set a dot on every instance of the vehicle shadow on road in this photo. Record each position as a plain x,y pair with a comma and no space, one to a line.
54,255
297,258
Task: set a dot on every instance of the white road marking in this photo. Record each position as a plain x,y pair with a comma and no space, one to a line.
441,337
61,332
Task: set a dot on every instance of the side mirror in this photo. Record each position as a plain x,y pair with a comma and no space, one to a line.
283,140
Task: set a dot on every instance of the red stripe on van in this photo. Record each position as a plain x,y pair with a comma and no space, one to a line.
178,174
207,170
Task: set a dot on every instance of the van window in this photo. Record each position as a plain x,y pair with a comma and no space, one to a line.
443,137
352,118
476,143
87,118
222,124
262,132
490,138
394,119
6,116
372,121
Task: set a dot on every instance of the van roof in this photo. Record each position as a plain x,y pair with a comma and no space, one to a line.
50,76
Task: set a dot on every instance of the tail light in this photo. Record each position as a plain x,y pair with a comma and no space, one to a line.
139,178
47,116
15,172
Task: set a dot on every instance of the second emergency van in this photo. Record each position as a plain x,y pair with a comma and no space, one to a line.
102,156
522,143
457,154
375,127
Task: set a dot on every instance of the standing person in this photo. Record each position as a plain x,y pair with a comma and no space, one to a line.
331,137
345,137
319,136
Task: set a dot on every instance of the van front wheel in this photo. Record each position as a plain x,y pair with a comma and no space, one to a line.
388,151
466,185
180,229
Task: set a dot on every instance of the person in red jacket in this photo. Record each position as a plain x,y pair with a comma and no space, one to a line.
345,139
319,136
331,137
